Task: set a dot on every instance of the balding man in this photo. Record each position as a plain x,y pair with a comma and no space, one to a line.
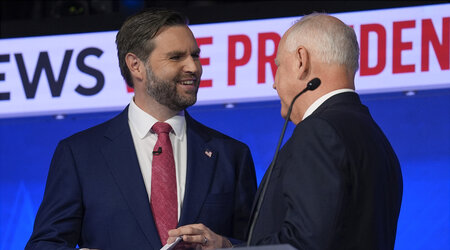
337,183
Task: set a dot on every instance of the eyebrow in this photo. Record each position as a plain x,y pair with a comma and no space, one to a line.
197,50
180,52
175,53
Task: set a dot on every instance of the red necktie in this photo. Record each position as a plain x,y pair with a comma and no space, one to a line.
163,198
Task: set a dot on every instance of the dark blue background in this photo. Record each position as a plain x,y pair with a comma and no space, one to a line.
418,127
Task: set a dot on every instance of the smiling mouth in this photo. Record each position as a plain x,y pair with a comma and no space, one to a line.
188,82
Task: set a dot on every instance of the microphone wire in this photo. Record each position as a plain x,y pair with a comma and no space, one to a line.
311,85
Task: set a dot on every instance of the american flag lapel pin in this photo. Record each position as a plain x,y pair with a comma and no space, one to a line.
208,153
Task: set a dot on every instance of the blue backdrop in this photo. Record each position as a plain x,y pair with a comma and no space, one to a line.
418,127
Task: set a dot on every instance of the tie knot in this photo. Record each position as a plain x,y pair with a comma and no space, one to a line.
161,127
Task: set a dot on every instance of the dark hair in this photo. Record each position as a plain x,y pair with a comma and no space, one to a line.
138,30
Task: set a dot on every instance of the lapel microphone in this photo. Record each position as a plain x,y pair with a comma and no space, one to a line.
157,152
311,85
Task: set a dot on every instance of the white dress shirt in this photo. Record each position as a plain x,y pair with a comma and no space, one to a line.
322,99
144,141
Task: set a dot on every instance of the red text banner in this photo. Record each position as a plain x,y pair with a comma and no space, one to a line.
400,50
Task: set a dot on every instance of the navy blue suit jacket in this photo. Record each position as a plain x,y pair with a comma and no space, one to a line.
95,195
337,183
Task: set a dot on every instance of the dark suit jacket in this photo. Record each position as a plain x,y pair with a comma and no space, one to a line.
95,195
336,184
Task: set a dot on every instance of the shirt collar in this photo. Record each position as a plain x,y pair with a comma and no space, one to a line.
143,121
322,99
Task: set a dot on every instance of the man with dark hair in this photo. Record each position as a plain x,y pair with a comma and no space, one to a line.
125,183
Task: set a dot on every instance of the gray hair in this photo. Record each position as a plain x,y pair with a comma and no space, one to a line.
333,42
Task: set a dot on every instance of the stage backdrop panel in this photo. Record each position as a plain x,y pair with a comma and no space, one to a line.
401,49
417,126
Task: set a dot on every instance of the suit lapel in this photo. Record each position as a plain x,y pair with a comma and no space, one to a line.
121,157
201,164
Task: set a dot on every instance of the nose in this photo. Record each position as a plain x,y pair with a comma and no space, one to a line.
275,80
192,65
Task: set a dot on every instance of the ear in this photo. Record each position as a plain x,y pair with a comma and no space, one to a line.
135,66
303,62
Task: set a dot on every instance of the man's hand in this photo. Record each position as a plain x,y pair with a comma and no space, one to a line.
199,236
